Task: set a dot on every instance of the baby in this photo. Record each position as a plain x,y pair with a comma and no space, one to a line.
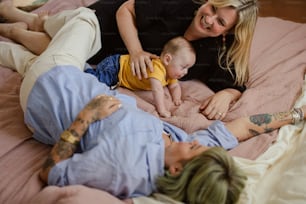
176,58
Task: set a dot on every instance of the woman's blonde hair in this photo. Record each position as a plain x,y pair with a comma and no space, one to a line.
211,177
239,53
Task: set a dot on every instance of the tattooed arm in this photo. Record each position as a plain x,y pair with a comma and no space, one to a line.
97,109
247,127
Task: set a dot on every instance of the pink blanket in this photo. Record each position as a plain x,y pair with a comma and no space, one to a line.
278,61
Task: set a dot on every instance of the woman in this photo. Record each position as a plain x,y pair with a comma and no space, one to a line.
220,30
105,141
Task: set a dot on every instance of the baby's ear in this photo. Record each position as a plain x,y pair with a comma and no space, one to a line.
175,169
168,58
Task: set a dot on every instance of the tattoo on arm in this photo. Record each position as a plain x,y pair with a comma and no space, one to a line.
261,120
61,151
93,106
84,122
79,128
253,132
49,163
281,116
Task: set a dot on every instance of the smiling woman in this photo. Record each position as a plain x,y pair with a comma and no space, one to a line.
211,21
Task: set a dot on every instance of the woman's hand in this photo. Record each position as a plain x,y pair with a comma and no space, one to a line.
216,106
139,63
102,106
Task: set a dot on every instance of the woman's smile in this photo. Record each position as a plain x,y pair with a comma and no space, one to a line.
203,22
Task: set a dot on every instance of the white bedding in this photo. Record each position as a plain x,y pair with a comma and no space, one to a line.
279,175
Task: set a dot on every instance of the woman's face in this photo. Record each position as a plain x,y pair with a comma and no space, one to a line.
210,21
182,152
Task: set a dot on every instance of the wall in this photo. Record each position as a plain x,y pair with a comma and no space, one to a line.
294,10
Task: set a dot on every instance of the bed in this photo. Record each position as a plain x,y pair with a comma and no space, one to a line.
274,162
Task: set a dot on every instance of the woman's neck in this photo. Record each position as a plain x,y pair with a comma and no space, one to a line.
191,35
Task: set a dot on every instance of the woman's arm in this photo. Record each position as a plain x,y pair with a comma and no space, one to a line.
139,59
247,127
97,109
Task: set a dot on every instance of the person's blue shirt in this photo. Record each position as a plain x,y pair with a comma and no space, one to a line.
121,154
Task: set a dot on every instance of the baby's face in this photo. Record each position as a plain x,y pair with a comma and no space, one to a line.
180,63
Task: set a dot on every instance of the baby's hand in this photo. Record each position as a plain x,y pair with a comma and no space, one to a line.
164,114
177,102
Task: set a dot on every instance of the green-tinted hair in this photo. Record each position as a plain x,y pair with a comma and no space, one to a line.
211,177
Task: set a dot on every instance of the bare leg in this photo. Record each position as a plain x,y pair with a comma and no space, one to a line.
6,28
20,22
13,14
27,37
18,32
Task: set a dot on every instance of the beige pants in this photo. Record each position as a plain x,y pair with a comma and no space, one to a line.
75,38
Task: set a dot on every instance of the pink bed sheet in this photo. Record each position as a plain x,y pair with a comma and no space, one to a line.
278,61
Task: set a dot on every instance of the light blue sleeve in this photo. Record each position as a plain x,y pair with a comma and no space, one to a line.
85,168
215,135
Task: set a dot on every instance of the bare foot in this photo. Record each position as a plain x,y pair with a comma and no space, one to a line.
12,14
38,24
7,29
